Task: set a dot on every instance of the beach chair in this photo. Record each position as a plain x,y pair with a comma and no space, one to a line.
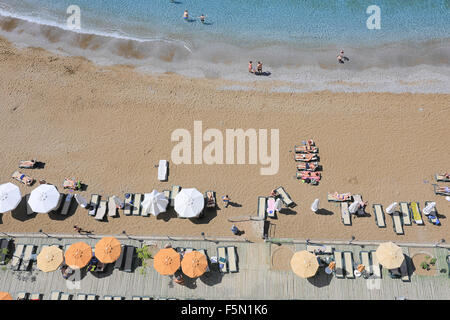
319,249
397,221
27,164
17,256
128,206
348,261
379,216
345,214
117,298
416,215
4,245
119,262
339,265
305,157
112,207
232,260
339,197
95,199
222,259
66,296
36,296
91,297
22,295
81,296
101,211
137,204
162,170
26,259
210,197
365,261
376,267
55,295
175,191
443,191
26,180
433,216
129,256
66,204
167,194
271,207
29,210
441,178
107,298
285,197
262,208
406,215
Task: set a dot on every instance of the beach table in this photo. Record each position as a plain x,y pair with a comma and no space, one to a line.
271,207
406,215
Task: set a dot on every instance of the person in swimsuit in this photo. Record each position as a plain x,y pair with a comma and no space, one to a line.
341,58
202,18
259,67
250,67
185,15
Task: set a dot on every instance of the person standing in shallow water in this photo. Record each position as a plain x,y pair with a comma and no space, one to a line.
202,18
186,15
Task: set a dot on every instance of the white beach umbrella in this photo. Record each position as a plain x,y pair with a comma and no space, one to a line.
9,197
44,198
391,209
427,210
315,205
81,201
278,204
119,203
154,203
189,203
353,207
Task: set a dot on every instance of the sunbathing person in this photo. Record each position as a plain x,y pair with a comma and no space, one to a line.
341,196
23,178
27,164
306,157
71,184
443,189
312,166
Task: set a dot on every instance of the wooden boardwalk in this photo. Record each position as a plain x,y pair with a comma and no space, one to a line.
255,280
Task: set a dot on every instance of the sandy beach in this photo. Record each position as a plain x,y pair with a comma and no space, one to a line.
109,126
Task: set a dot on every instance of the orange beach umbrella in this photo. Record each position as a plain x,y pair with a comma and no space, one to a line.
5,296
304,264
194,264
78,255
50,258
108,249
166,261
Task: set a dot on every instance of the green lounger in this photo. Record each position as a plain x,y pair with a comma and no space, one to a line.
397,221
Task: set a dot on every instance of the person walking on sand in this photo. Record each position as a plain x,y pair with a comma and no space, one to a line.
235,230
202,18
186,15
77,229
226,201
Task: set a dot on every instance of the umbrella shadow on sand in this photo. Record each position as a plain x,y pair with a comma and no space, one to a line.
20,213
211,278
321,279
166,216
206,218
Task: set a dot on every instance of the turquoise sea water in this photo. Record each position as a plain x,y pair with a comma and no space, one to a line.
292,37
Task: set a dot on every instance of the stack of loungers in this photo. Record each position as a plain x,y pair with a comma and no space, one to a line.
311,160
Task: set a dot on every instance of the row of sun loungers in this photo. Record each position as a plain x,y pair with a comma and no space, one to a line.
266,205
345,264
23,257
125,261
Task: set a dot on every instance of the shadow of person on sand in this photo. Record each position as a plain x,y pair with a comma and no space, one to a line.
265,73
287,211
235,204
324,212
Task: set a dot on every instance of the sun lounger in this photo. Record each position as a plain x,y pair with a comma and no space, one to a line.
107,298
308,166
339,197
305,157
29,250
95,199
404,271
339,265
285,197
147,298
232,260
308,176
433,216
127,205
162,170
175,190
27,164
319,249
17,256
376,267
210,199
262,208
167,194
222,259
365,261
137,204
101,211
112,207
348,260
55,295
22,178
416,215
29,210
441,178
443,191
305,149
66,204
397,221
345,214
119,262
406,215
136,298
188,250
91,297
271,207
81,296
379,216
129,256
22,296
117,298
4,245
36,296
66,296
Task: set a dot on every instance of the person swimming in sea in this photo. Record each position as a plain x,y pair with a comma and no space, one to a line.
341,58
186,15
202,18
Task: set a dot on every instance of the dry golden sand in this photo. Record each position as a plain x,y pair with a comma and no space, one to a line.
109,126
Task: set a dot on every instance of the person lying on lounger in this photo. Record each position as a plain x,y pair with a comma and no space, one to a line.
305,157
341,196
71,184
23,178
27,164
443,189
